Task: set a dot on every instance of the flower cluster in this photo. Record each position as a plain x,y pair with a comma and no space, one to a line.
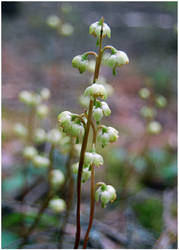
95,29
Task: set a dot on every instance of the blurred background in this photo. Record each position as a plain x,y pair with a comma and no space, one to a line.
142,168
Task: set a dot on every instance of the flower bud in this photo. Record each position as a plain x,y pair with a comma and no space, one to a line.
57,178
66,29
107,135
41,161
92,158
118,59
106,193
148,112
53,21
29,153
95,29
97,114
20,130
54,136
42,111
86,173
144,93
154,127
45,94
57,205
113,134
40,136
77,130
80,62
96,90
161,101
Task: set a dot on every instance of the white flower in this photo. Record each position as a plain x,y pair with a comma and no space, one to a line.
106,193
154,127
45,94
20,130
57,178
86,173
57,205
54,136
118,59
107,135
66,29
96,90
97,114
161,101
144,93
92,158
40,136
105,108
95,29
42,111
148,112
26,97
41,161
29,153
53,21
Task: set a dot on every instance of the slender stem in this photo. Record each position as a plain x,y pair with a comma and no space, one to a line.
84,145
94,132
108,47
92,207
50,168
91,53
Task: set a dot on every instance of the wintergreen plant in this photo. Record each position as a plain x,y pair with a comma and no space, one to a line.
78,125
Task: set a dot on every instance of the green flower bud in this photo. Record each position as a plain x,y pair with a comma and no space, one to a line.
57,178
95,29
77,130
154,128
45,94
96,90
66,29
80,62
57,205
92,158
144,93
42,111
161,101
29,153
148,112
97,114
86,173
53,21
113,134
40,136
20,130
105,193
54,136
40,161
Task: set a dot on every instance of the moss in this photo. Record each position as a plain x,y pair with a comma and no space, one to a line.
149,214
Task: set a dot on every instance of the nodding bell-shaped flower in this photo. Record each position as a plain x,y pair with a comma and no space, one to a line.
54,136
66,29
57,205
100,109
91,66
57,178
107,135
92,158
96,90
40,136
80,62
105,193
144,93
148,112
84,101
45,94
30,99
53,21
119,58
95,29
86,174
161,101
71,124
42,111
41,161
29,153
20,130
154,128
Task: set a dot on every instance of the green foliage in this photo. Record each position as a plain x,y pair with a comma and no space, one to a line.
149,213
8,238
